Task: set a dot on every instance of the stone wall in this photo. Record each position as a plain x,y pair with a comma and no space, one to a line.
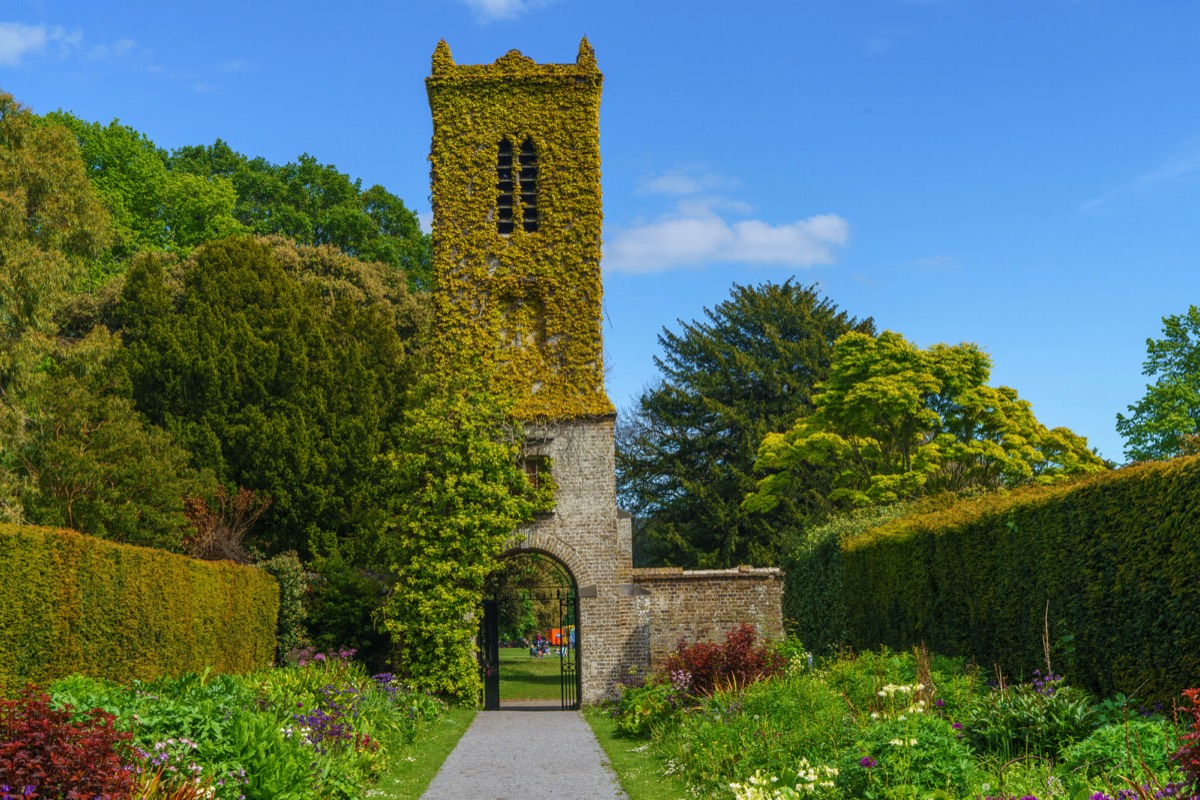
706,604
585,534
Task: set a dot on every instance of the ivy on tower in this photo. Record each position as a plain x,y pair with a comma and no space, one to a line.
516,228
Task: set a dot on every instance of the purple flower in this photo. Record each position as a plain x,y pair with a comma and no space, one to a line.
867,762
319,657
957,726
939,702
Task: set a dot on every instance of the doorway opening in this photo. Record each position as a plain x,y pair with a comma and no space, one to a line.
529,635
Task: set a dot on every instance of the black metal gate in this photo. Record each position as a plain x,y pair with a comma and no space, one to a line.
566,647
489,654
568,616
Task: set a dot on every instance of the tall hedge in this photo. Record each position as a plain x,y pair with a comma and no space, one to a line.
1116,557
73,603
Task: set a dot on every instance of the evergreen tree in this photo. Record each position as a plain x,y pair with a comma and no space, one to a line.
282,370
685,453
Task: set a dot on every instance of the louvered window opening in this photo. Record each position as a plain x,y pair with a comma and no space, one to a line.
512,178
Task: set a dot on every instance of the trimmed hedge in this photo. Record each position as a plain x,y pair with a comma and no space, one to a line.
73,603
1117,557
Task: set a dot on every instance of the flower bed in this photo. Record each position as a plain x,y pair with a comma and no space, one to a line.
324,729
909,725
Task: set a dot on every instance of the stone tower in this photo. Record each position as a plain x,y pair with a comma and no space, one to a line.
516,263
516,260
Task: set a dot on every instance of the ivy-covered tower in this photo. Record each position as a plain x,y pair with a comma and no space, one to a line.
516,225
516,263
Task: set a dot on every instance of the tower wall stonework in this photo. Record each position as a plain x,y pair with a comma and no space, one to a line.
592,540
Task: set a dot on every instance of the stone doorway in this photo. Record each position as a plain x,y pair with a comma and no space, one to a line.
530,637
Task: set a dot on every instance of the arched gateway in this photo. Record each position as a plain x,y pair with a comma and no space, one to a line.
515,165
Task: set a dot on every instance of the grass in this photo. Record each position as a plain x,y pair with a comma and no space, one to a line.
523,677
412,772
640,772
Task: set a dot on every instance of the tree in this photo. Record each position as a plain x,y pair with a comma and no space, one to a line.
685,453
897,422
313,203
1166,422
51,225
283,370
129,174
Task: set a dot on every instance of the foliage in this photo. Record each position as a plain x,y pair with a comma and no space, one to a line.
48,753
324,730
1103,562
345,605
1123,751
1166,421
686,453
1022,720
220,525
641,708
538,293
1188,754
463,495
700,668
899,422
73,603
281,370
51,224
814,607
312,204
895,726
291,629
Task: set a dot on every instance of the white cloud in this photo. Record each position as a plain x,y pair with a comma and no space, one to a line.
685,181
18,40
488,10
1174,169
692,241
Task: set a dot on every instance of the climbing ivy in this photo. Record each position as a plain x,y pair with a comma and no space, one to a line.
528,303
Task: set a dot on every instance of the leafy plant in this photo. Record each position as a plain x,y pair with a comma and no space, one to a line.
1021,720
700,668
51,752
1125,751
1188,754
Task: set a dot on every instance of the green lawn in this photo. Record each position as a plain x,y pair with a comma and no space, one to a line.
523,677
640,771
412,771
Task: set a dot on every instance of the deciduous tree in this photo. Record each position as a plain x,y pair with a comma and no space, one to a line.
895,422
1166,421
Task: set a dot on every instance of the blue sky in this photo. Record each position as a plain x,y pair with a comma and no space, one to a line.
1023,175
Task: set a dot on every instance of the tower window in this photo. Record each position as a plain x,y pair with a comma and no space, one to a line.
513,181
528,175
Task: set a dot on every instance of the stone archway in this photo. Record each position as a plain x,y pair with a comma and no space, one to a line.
532,596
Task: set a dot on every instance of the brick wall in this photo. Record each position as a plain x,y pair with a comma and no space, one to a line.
705,604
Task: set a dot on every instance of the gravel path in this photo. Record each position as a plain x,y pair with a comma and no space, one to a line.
525,751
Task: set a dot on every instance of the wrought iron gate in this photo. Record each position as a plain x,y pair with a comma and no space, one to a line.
489,654
568,618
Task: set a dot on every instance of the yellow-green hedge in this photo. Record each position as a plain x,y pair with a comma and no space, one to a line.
73,603
1117,557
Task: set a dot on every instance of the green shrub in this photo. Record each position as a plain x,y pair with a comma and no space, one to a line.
344,605
291,629
1123,751
1022,720
1111,562
73,603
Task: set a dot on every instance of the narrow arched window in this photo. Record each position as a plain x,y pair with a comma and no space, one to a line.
528,173
516,184
504,188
